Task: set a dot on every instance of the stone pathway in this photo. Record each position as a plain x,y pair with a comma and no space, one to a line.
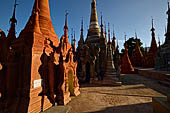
134,96
57,109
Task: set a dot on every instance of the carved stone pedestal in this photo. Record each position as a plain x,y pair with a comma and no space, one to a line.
76,91
63,99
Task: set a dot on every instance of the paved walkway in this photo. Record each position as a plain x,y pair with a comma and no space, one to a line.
134,96
58,109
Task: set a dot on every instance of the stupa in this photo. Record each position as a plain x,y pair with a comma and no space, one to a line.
110,69
137,55
126,66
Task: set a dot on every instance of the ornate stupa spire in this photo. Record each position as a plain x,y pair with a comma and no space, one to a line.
152,29
114,36
66,28
117,47
159,42
167,40
81,41
13,19
105,33
109,33
117,43
152,54
114,40
11,35
45,18
82,36
40,21
125,44
153,48
102,32
33,24
93,31
93,19
68,46
153,32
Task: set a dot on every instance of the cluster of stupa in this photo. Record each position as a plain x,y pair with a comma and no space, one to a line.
157,57
163,55
162,62
98,56
95,53
37,70
138,59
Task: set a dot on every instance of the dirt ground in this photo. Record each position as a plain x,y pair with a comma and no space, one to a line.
134,96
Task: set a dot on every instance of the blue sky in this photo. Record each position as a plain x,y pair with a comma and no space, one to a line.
126,15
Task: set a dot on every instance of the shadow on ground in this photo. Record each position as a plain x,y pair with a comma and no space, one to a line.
133,79
83,85
136,108
117,94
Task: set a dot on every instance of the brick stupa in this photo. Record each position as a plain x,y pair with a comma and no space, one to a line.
137,55
37,70
32,68
126,66
152,51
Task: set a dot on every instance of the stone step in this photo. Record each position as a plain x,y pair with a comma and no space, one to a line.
165,83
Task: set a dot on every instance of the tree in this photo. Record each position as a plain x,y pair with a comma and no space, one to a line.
131,42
